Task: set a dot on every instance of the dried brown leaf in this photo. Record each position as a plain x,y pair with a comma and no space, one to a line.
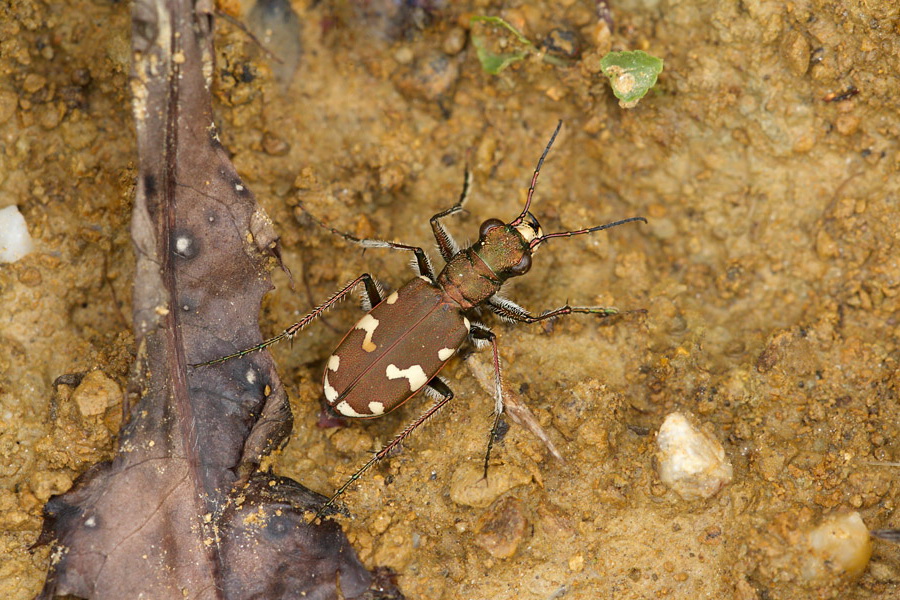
182,511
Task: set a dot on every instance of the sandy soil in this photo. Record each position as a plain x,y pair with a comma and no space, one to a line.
768,271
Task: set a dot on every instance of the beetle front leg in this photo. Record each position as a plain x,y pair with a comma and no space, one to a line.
446,244
441,389
290,332
509,310
480,332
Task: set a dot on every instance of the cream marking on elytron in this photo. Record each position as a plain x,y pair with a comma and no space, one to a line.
331,394
347,410
445,353
368,324
392,298
467,324
376,408
334,362
250,376
415,374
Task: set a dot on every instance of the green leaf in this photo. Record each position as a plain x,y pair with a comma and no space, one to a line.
494,62
631,74
501,23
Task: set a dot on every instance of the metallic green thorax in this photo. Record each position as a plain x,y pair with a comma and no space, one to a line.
501,252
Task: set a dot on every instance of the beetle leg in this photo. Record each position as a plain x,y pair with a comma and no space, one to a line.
290,332
446,394
423,264
509,310
480,332
446,244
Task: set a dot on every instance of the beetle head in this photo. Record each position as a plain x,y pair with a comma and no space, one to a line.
506,248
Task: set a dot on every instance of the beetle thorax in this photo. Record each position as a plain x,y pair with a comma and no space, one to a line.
502,251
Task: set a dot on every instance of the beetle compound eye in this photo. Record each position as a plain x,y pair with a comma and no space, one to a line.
523,265
489,225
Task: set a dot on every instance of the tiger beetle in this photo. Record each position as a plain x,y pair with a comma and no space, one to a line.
406,338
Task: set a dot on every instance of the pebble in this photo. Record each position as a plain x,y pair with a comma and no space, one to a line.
563,42
8,103
454,41
795,51
15,241
502,528
468,487
690,461
839,547
96,393
45,484
430,78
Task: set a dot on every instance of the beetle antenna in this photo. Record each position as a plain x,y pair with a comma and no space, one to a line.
538,240
537,172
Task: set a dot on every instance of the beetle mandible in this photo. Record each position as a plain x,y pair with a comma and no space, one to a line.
400,345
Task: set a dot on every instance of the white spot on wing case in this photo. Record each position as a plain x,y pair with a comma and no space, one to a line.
334,362
345,409
331,394
368,324
415,374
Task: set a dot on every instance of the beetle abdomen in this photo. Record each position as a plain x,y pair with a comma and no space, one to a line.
393,351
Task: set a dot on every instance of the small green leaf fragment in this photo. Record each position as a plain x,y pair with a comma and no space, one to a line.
501,23
493,62
631,74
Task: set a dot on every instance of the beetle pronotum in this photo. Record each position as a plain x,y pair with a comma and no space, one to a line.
398,347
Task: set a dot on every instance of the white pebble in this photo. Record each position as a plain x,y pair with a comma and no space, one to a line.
15,242
690,461
839,547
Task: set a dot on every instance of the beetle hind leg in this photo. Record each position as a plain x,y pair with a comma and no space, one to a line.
289,333
445,394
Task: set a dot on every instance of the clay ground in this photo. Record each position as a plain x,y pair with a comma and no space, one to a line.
766,162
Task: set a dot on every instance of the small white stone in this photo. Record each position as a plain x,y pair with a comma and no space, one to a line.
15,241
690,461
96,393
838,548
